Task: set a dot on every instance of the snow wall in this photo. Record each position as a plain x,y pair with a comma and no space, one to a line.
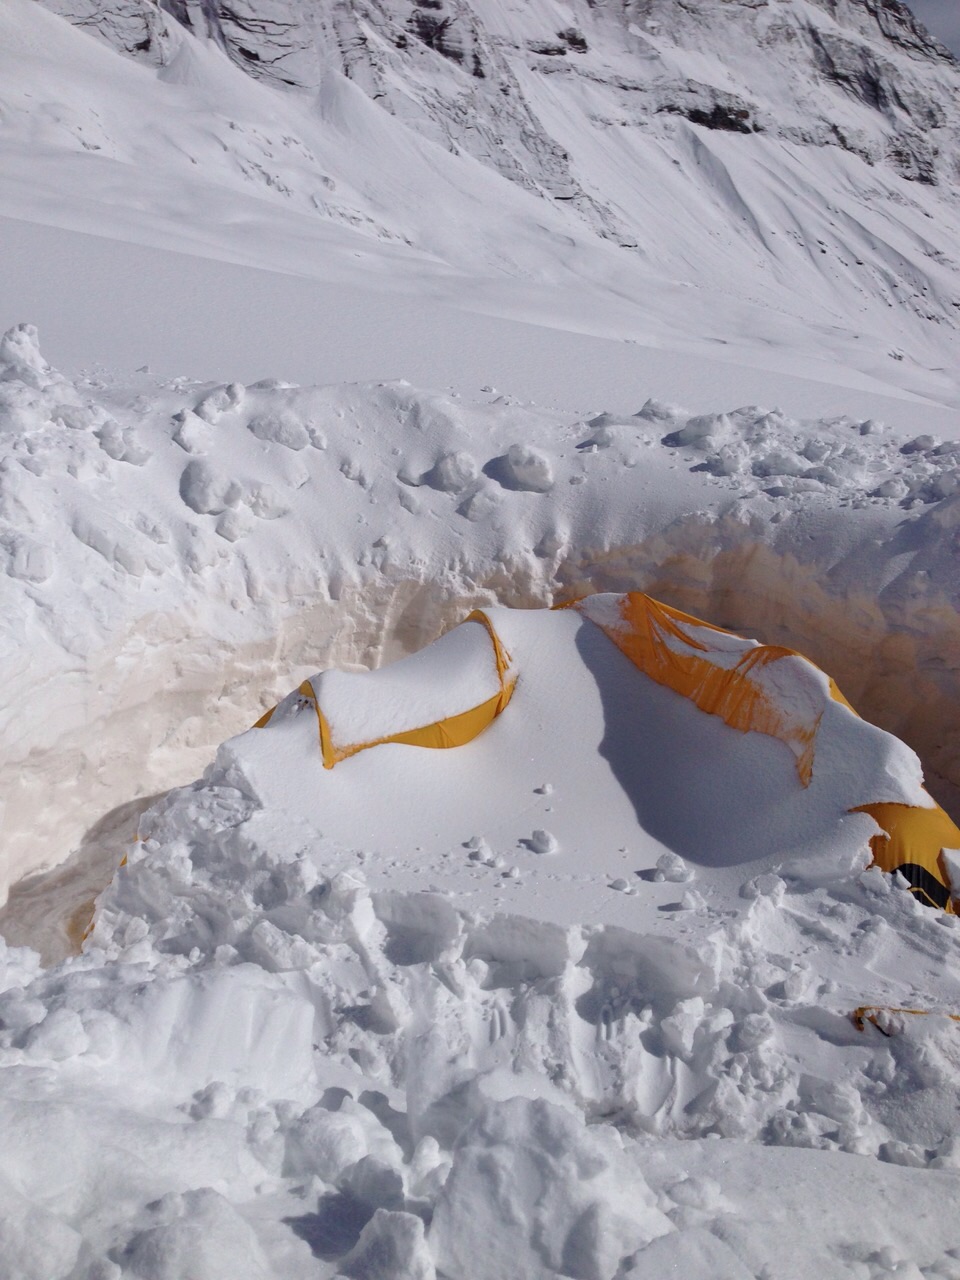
179,556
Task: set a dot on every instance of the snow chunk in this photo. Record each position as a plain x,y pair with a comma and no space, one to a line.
534,1192
21,361
233,525
453,472
951,861
215,403
265,502
526,468
30,561
661,411
706,431
206,491
670,866
543,842
325,1143
392,1246
121,444
193,434
58,1037
481,505
280,428
200,1235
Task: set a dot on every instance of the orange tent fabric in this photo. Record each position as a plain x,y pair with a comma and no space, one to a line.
754,688
451,731
729,677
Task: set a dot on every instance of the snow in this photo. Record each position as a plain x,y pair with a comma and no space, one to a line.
457,674
343,1075
572,1000
120,535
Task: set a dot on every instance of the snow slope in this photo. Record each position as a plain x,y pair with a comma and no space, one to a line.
801,247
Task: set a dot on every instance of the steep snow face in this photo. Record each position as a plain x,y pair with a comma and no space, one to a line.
757,181
465,69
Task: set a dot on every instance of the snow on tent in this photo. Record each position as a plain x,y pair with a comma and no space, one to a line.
442,697
453,691
769,689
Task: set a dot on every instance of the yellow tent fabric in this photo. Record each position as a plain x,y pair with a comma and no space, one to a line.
912,841
451,731
722,678
688,656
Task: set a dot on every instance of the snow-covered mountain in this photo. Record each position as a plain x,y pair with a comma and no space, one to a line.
863,75
787,171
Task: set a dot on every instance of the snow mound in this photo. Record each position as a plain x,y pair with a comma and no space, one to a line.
355,1066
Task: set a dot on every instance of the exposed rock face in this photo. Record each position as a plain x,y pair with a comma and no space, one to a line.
500,82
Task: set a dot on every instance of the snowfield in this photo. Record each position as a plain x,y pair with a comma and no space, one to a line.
321,331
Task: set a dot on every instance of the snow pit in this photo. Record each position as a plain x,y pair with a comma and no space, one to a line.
141,632
359,1028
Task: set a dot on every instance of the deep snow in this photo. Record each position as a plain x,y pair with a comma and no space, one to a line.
573,1000
176,553
361,1057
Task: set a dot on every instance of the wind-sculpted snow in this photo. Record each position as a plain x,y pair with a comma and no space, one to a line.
753,181
463,69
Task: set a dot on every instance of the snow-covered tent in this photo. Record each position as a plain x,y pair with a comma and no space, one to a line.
447,694
443,696
770,689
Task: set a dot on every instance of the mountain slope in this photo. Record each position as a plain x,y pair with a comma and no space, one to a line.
773,177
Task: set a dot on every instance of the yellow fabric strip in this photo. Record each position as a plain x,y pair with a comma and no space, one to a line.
500,655
913,837
868,1013
453,731
729,693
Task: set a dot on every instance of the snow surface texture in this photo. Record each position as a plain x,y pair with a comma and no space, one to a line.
617,189
178,556
276,1060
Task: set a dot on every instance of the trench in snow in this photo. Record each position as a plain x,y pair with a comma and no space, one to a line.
162,699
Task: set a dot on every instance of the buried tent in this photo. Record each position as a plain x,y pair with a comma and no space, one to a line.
446,695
